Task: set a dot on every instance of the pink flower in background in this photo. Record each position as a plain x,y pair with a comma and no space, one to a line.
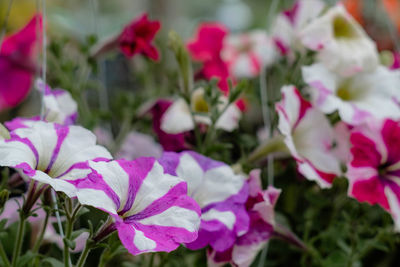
150,209
220,193
247,53
138,145
374,171
289,23
341,43
311,146
208,43
137,38
260,208
206,47
356,98
170,142
17,63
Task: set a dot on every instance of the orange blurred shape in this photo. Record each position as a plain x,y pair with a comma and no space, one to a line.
354,7
393,9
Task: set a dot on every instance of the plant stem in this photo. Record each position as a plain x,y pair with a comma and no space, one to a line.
40,238
85,253
151,261
3,256
68,232
20,237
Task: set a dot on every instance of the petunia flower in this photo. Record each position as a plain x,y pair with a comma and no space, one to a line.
311,146
150,209
169,142
260,207
177,118
356,97
289,23
341,43
137,38
220,193
206,47
374,170
51,154
36,223
246,54
59,106
17,63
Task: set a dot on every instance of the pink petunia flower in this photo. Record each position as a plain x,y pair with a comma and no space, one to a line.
311,146
289,23
206,47
169,142
246,54
149,208
220,193
137,38
374,171
260,208
17,63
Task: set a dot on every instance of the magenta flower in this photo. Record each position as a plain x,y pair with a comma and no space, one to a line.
220,193
150,209
206,47
17,67
374,170
137,38
260,207
170,142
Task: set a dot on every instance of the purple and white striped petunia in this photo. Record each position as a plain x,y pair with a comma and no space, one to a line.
150,209
220,193
260,207
51,154
311,147
374,171
59,105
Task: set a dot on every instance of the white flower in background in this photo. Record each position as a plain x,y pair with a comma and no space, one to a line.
178,119
309,137
357,98
59,105
246,54
341,43
289,23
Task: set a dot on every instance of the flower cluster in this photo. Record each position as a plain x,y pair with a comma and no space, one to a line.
194,174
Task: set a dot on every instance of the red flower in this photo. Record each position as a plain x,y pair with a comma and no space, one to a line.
17,55
137,37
